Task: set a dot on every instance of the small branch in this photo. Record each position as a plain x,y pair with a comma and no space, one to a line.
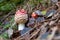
52,34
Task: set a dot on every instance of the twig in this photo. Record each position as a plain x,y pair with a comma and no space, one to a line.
52,34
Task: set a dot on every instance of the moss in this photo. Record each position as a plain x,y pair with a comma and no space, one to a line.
7,7
4,36
44,12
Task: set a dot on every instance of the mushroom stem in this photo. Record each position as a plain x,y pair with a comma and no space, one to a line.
21,26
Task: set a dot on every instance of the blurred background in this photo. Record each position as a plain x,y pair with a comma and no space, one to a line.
8,8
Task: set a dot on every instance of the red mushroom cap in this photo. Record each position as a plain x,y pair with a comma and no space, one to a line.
22,11
21,16
34,15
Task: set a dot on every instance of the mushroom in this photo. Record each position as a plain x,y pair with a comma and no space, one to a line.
21,18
